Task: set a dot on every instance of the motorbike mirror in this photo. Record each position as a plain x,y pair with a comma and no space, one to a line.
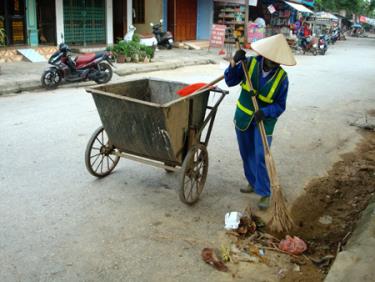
151,24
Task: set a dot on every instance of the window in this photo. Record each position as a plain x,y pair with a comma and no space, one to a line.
138,11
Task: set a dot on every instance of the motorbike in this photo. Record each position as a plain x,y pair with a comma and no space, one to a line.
89,66
309,44
145,40
164,38
335,36
322,45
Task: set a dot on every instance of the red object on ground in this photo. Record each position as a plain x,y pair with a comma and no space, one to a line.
191,89
293,245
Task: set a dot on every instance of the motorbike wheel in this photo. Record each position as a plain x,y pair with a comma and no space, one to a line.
169,46
51,79
315,52
106,68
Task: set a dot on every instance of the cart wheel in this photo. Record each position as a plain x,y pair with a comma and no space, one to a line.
194,174
99,157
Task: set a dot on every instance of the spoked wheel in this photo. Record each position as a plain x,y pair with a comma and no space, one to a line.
106,71
194,174
50,79
99,157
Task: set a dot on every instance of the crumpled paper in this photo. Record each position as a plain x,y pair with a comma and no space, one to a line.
232,220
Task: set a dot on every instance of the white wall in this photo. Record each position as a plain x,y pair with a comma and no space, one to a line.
130,13
109,21
59,21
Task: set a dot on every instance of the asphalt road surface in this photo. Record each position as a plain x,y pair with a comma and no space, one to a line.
58,223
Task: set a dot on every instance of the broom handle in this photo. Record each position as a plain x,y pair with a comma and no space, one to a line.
205,87
270,164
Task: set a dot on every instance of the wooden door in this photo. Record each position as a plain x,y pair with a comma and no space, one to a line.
182,19
119,19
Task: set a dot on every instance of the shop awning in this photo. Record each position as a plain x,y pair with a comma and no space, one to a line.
326,15
242,2
299,7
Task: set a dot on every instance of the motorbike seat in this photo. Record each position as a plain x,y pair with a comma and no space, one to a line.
99,54
145,36
85,58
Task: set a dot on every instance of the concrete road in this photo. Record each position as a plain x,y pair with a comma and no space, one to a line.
58,223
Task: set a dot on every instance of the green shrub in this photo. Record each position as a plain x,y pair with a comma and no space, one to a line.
150,51
132,49
136,38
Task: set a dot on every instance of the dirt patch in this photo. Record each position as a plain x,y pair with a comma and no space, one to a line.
327,213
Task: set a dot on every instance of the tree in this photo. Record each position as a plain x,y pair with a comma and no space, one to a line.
363,7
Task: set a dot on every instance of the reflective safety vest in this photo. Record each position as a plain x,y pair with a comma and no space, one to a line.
265,96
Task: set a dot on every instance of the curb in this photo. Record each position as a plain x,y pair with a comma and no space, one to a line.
355,262
30,85
18,87
161,66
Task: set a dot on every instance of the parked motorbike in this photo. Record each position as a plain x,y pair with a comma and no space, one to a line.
145,40
164,39
309,44
90,66
322,45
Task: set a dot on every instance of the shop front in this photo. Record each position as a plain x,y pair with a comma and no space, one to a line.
84,22
13,21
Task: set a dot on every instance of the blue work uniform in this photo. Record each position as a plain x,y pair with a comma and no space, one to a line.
271,93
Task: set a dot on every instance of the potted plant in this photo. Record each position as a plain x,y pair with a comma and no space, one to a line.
121,50
3,37
133,51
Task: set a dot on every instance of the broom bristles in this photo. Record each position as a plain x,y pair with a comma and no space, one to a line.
281,221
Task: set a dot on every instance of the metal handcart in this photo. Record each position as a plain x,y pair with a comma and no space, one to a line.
146,121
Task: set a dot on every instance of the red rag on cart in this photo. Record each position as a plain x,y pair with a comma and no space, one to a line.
190,89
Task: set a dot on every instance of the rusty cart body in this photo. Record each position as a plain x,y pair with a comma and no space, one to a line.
146,121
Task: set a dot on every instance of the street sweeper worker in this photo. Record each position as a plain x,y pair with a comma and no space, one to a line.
270,82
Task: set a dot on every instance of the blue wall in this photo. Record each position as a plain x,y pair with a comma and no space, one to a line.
204,18
165,14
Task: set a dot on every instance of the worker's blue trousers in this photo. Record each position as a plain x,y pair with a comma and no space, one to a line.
252,154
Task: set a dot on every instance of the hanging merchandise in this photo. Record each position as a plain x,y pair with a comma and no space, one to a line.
232,15
255,32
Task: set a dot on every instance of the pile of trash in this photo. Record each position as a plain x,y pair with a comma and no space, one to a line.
249,243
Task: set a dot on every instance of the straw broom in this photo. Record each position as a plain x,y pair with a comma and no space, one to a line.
281,219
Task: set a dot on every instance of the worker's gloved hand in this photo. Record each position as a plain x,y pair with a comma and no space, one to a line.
240,55
259,116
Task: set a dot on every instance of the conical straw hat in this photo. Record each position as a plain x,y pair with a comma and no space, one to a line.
276,49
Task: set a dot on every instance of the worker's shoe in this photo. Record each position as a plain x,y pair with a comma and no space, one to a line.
248,189
264,203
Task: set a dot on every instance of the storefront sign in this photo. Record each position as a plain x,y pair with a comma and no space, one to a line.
255,33
271,9
217,36
367,20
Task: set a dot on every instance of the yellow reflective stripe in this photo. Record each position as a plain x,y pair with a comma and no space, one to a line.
246,85
244,109
268,99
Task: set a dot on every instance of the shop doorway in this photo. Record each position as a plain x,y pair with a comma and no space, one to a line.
46,15
119,19
182,19
12,20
